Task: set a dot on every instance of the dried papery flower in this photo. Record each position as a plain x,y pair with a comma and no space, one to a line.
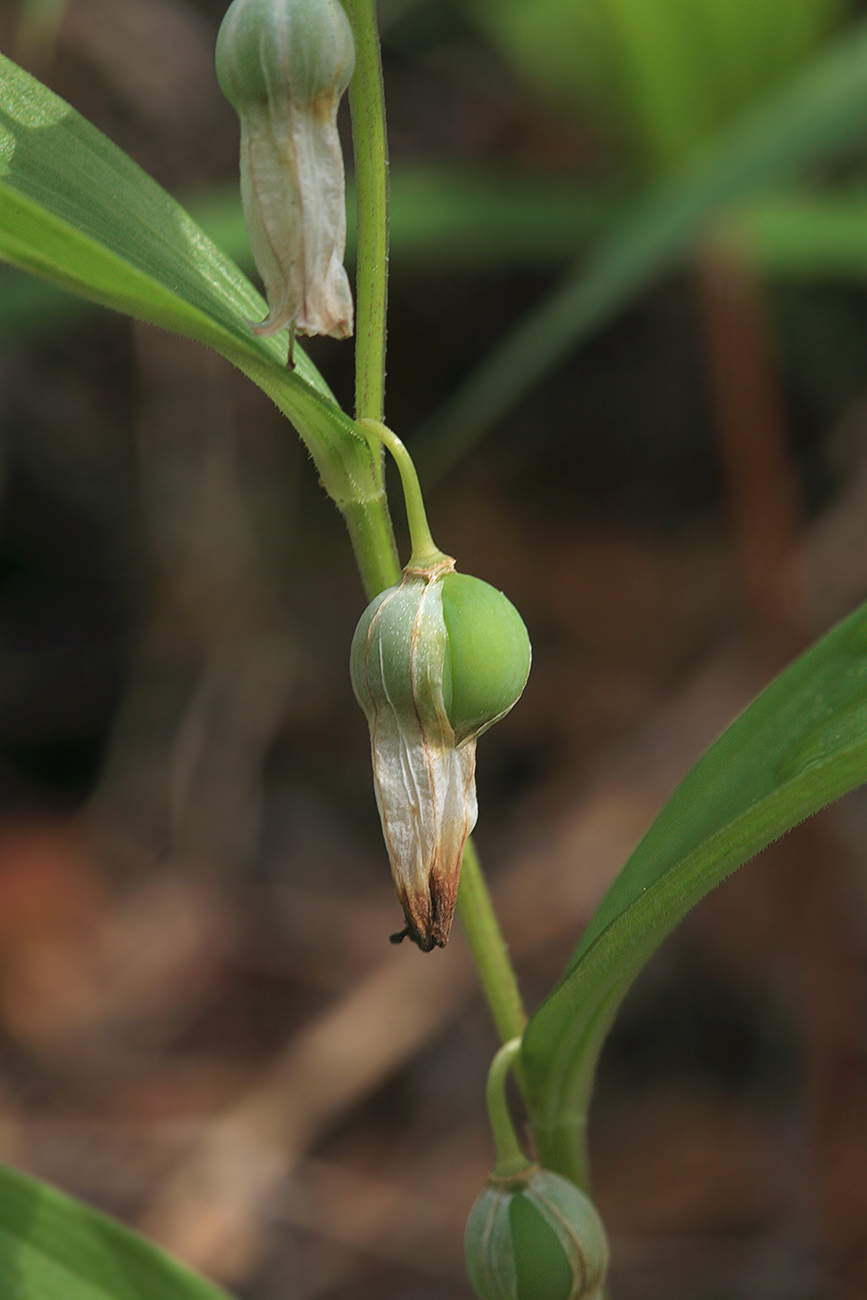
435,661
284,65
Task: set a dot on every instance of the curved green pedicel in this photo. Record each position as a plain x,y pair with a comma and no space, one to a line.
487,657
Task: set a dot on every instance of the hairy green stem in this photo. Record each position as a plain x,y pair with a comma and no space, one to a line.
370,148
370,532
489,950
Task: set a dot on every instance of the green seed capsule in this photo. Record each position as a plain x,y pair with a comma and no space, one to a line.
284,65
300,50
435,661
535,1237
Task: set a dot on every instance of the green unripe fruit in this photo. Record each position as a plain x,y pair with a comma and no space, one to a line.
300,48
535,1236
545,1271
488,654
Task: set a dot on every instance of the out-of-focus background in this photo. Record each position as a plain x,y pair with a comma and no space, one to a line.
203,1028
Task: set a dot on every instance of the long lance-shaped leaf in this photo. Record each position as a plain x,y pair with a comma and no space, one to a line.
799,745
75,210
55,1248
820,110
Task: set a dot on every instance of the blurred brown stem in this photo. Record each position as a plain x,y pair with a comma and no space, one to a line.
761,486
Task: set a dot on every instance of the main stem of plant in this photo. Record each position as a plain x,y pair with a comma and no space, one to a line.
366,105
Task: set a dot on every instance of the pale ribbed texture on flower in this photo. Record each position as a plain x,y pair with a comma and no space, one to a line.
424,782
284,65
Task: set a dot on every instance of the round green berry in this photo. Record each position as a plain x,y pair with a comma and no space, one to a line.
535,1237
488,654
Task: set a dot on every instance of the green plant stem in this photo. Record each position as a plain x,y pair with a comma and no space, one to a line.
425,552
510,1158
368,520
489,950
370,148
370,532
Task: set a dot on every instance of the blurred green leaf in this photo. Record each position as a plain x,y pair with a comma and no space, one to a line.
674,71
802,237
38,24
798,746
454,217
440,217
55,1248
820,112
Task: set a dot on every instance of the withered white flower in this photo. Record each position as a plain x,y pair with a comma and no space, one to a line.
424,783
435,661
284,65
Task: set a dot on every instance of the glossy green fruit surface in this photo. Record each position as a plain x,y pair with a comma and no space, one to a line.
487,654
535,1238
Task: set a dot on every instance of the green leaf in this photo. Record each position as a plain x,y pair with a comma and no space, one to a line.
673,71
75,210
55,1248
798,746
459,217
820,111
447,217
